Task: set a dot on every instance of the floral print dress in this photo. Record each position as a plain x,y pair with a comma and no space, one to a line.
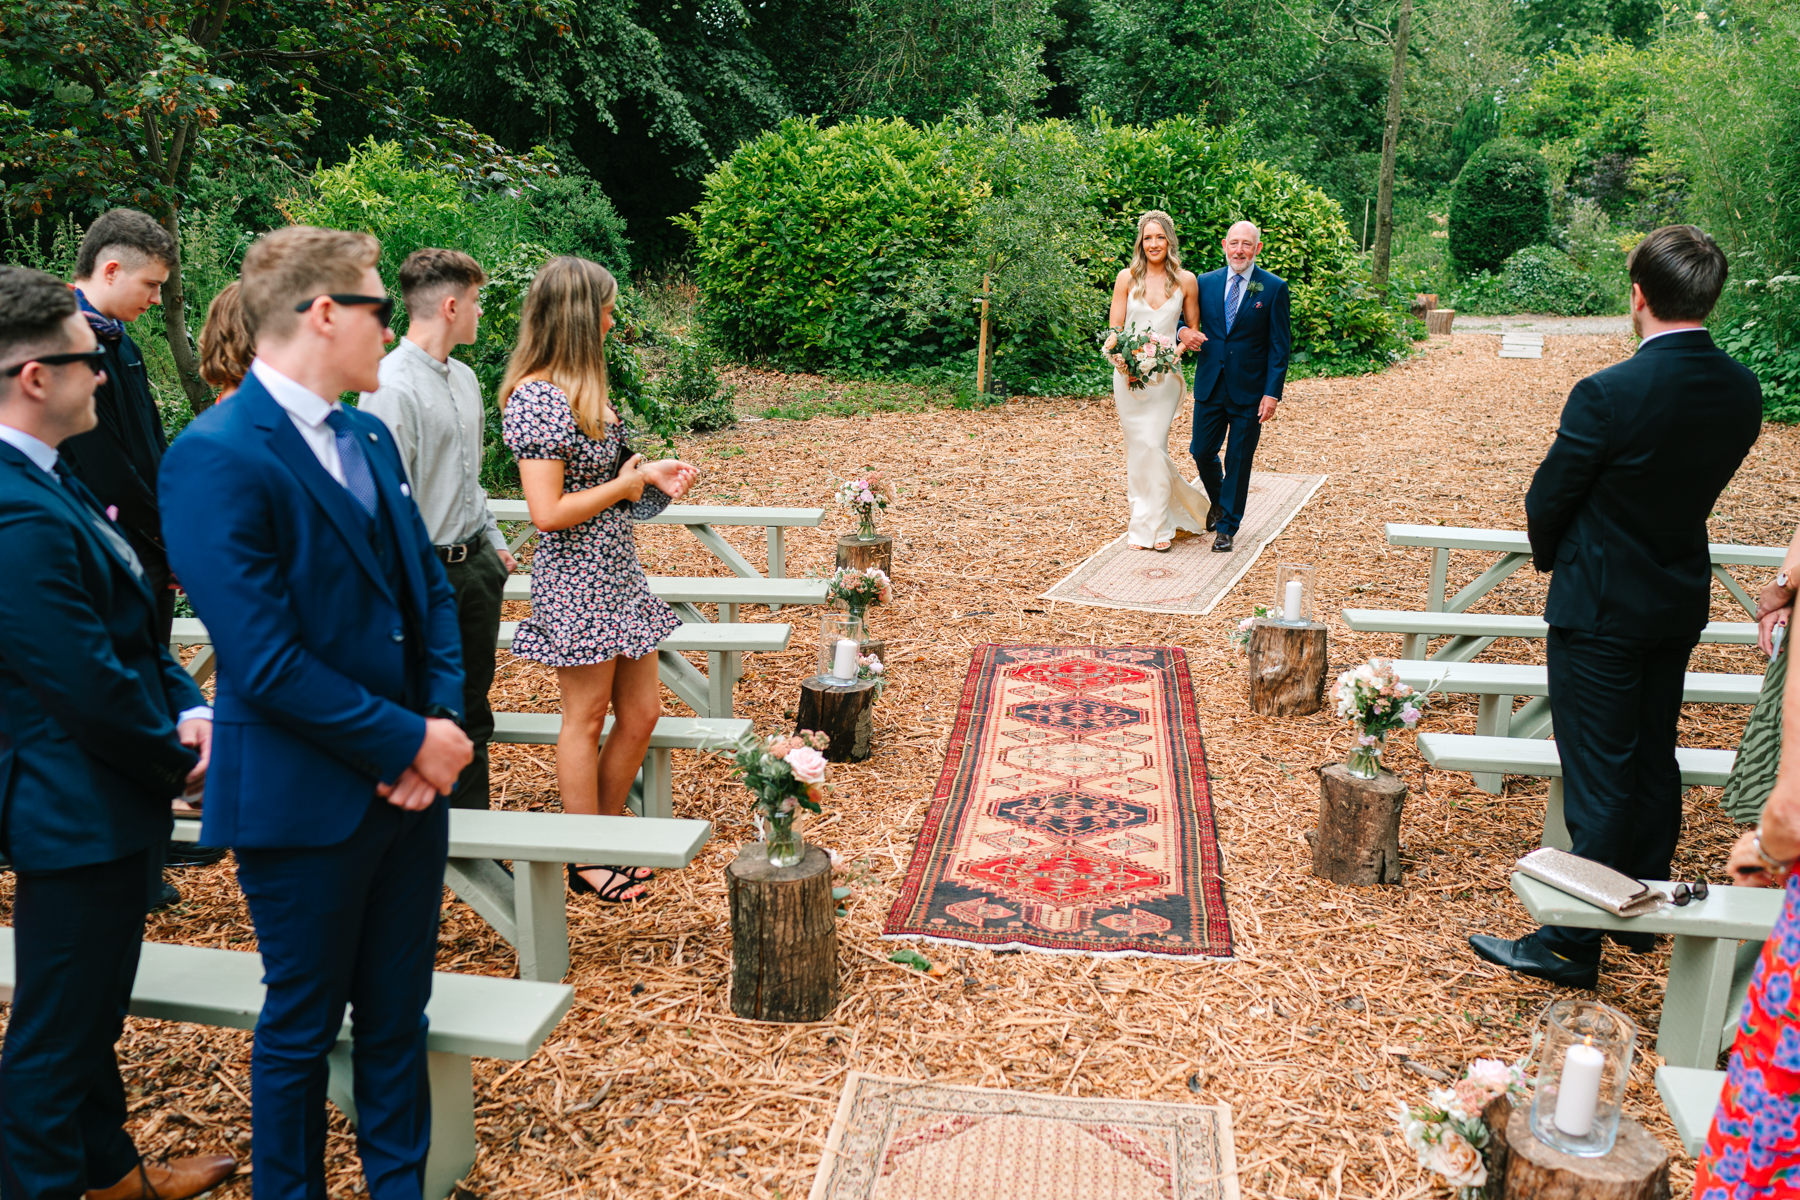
1753,1150
590,600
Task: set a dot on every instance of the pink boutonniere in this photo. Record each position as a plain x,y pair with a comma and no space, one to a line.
112,513
1259,304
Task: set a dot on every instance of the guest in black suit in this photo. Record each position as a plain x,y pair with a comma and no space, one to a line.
98,728
1618,512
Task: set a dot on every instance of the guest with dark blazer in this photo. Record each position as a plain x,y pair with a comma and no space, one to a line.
99,727
290,523
1617,512
1240,368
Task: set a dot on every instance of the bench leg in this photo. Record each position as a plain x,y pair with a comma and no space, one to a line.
1440,579
685,680
1492,716
718,683
452,1086
658,786
200,669
1532,720
1414,646
1556,830
1695,1001
540,909
777,559
1747,954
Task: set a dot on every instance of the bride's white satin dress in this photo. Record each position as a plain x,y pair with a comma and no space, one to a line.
1162,501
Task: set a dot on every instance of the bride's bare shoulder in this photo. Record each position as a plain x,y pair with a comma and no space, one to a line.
1190,282
1124,276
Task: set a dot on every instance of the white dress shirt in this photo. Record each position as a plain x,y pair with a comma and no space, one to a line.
1667,332
307,410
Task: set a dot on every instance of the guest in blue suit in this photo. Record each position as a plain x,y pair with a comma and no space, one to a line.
289,522
1239,371
99,730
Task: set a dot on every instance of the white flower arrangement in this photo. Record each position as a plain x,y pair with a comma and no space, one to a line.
1372,698
1448,1134
1240,636
869,667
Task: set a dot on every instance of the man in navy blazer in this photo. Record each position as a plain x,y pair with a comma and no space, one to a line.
99,730
289,522
1239,370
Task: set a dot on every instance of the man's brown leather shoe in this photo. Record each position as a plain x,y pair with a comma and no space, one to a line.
176,1179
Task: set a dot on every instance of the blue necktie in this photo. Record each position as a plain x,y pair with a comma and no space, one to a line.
357,479
1233,297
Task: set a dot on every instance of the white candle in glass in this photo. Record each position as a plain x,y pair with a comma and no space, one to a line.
1290,603
843,660
1579,1089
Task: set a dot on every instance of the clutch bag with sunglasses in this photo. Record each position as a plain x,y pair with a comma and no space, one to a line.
1585,879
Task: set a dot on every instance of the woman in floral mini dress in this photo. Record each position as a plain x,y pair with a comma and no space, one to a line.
593,616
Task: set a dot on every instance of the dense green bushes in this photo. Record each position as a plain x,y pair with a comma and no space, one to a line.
1535,279
850,248
1499,203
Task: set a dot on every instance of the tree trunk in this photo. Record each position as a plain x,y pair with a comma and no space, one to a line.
783,937
1358,839
1637,1168
175,330
1287,668
863,553
1438,320
1390,140
843,712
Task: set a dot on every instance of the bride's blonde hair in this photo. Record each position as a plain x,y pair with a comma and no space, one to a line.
1140,266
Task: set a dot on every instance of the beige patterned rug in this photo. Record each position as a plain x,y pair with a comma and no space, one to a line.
900,1139
1189,578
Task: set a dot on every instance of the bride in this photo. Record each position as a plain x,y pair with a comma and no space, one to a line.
1153,293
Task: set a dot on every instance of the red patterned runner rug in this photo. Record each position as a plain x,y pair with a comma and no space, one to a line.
1072,815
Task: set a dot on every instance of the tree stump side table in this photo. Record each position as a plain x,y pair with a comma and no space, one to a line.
1358,838
863,553
783,936
1287,668
844,712
1637,1168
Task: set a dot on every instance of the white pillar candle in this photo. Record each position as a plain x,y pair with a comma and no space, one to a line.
1290,604
1579,1089
843,662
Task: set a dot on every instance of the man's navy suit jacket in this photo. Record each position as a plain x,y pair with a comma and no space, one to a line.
1253,359
89,696
325,663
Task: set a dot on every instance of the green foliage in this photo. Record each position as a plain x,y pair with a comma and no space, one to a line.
1595,107
1499,203
922,59
701,400
1552,25
1542,279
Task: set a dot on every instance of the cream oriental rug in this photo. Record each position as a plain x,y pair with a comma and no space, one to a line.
899,1139
1189,578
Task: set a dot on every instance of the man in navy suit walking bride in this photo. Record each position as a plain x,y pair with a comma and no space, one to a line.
1239,369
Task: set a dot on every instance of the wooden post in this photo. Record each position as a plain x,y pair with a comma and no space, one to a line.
1287,668
783,937
1637,1168
863,553
1358,839
981,354
1438,320
844,712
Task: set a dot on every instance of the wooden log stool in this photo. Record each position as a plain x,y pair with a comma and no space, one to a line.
1438,320
863,553
1287,668
844,712
1358,838
1637,1168
783,936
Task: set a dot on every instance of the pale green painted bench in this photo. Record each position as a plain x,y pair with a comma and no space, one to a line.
1471,633
1497,684
1536,757
470,1016
1691,1095
654,795
527,907
1514,549
1716,943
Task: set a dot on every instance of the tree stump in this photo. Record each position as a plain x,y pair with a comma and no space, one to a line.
1496,1113
783,936
1423,302
1287,668
1637,1168
863,553
1438,320
1358,839
844,712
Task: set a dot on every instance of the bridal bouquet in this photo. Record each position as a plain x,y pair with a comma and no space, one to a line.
1449,1134
1142,354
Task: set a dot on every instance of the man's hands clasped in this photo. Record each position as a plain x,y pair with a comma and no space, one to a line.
445,751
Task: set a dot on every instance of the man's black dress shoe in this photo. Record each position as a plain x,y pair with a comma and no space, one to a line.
1637,943
1222,543
168,897
186,854
1212,518
1529,956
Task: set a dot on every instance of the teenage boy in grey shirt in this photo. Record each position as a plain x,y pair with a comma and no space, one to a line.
432,403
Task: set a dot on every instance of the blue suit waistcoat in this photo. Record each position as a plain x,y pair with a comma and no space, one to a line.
321,680
1253,358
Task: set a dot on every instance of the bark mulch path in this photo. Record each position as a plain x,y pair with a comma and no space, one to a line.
1339,1000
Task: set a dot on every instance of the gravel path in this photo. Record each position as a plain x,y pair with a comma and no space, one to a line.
1534,324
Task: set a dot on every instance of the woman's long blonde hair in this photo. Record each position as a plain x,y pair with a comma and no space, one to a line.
560,340
1140,266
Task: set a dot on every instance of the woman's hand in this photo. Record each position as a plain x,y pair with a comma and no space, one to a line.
1747,869
1766,623
672,476
632,478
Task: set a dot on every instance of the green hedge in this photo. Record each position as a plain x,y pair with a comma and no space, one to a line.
807,236
1499,203
1536,279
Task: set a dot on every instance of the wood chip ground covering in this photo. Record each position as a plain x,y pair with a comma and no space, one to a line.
1340,1000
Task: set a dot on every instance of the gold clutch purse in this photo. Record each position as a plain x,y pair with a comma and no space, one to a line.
1588,880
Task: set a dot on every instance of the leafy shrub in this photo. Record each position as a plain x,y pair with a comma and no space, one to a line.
1542,279
1598,102
1499,203
701,400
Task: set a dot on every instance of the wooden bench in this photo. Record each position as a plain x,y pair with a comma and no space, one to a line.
1514,549
527,907
470,1016
1691,1095
1716,943
1471,633
1497,684
1531,756
654,795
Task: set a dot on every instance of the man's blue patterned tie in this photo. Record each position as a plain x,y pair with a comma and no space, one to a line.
1233,298
354,461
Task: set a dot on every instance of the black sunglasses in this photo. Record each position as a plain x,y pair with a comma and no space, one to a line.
93,358
383,305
